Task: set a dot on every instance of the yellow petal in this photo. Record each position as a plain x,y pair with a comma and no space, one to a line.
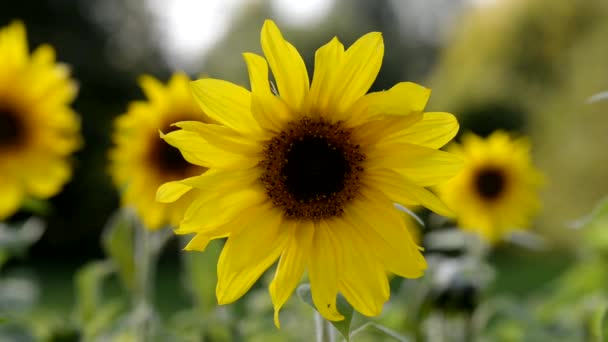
358,71
379,129
46,176
424,166
327,60
12,196
171,192
249,252
376,220
363,279
271,112
323,271
404,98
434,130
287,66
153,89
382,224
222,137
215,208
291,265
225,103
402,190
258,73
196,150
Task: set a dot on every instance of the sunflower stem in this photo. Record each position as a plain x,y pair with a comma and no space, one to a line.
324,331
148,245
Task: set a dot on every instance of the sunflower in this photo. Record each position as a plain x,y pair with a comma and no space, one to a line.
309,176
141,161
38,129
496,192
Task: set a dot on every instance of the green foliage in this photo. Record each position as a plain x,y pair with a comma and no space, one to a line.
118,244
200,275
14,241
94,312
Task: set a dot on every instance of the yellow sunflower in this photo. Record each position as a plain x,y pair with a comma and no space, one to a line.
141,161
497,191
38,129
309,175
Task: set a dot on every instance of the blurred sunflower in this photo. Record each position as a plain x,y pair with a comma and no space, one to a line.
497,192
38,129
141,161
309,176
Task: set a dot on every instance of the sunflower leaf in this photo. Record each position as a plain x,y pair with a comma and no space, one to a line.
596,322
117,242
88,283
200,274
342,305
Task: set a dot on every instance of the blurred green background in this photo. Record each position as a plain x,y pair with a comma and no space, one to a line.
525,66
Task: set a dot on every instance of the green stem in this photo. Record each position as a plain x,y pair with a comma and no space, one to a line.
144,271
324,331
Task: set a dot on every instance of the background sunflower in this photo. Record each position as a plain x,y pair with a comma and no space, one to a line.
38,129
497,192
141,161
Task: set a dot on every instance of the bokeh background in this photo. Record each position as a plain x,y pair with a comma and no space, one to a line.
525,66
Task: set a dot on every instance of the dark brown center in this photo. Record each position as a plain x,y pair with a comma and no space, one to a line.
11,127
168,159
490,183
312,169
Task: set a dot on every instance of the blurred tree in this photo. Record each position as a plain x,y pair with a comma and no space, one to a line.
530,66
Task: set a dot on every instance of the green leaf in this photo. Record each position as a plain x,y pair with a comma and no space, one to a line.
37,206
342,305
118,242
89,285
384,330
200,276
15,240
596,322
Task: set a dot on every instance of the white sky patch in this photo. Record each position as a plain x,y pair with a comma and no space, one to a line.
302,12
189,28
483,2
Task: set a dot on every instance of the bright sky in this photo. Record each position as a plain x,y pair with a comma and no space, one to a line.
189,28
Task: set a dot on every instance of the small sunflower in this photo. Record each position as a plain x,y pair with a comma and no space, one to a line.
141,161
309,176
38,129
497,192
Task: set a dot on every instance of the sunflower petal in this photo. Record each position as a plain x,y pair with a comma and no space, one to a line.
434,130
225,103
327,60
214,208
424,166
242,262
171,192
385,232
287,66
153,89
362,281
258,73
12,195
222,137
323,271
271,112
402,190
196,150
404,98
358,71
291,266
